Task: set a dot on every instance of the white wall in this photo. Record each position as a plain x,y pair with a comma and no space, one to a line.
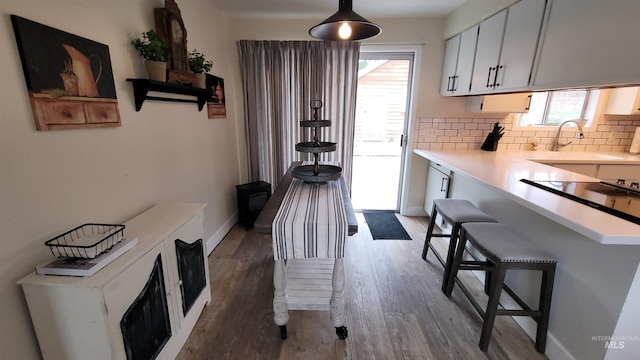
51,181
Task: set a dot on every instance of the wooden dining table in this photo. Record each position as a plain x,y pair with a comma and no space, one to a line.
309,283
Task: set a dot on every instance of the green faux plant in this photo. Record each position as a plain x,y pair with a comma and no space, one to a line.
198,63
151,47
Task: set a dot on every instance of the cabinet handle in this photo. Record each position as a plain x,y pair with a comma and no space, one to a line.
453,86
449,83
495,78
528,105
442,184
489,76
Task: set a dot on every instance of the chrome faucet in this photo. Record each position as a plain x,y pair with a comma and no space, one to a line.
556,142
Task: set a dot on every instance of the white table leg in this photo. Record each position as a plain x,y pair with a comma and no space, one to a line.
280,313
337,299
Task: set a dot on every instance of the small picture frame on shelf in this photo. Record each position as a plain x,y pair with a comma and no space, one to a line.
216,107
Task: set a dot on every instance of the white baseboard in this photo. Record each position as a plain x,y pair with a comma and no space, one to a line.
414,211
216,238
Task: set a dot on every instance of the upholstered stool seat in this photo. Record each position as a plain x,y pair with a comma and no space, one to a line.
456,212
504,249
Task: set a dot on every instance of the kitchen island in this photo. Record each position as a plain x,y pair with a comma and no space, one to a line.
594,310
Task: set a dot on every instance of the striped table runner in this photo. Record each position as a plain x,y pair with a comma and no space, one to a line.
311,222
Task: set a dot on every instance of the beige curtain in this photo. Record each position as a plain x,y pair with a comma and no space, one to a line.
280,78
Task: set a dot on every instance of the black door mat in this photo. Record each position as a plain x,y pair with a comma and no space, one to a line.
384,225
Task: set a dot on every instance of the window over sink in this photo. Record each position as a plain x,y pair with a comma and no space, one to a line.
550,108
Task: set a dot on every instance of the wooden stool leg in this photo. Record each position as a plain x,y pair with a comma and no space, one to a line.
545,307
453,241
280,313
487,278
455,264
427,238
492,306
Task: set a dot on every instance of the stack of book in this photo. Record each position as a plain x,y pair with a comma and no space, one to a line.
85,267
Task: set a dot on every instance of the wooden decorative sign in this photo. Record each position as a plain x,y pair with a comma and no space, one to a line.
171,29
69,78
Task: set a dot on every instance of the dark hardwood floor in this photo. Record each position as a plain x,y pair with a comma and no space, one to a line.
395,309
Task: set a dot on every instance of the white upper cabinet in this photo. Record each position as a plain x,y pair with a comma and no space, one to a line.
623,101
451,49
520,43
458,63
507,44
488,53
465,61
590,43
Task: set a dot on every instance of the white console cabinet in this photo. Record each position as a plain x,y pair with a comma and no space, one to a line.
143,305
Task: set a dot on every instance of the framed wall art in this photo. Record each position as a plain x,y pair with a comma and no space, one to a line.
69,78
216,107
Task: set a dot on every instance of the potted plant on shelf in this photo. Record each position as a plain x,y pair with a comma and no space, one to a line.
155,52
200,66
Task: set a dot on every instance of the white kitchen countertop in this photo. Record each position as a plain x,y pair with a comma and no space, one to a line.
503,171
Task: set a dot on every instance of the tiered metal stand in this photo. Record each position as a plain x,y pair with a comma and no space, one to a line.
316,173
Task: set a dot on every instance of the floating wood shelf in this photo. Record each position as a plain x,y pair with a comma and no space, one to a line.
141,88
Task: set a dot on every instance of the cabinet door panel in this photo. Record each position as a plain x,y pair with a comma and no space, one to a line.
519,44
590,43
466,56
190,239
437,188
584,169
450,63
623,101
191,272
612,172
145,325
488,52
123,291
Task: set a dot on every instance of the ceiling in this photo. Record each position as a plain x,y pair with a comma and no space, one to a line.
320,9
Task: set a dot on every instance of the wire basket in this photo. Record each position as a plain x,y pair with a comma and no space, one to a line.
86,241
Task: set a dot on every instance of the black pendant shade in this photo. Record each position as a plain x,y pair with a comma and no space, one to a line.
345,25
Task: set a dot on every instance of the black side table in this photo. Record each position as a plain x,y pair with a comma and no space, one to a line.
251,199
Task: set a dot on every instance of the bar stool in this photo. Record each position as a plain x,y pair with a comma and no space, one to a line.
456,212
504,249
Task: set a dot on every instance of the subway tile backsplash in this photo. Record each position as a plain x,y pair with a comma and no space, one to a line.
470,133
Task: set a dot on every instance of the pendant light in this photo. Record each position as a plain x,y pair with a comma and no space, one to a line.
345,25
